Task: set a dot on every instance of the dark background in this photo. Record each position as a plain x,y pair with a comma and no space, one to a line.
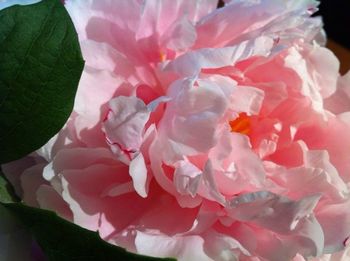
336,18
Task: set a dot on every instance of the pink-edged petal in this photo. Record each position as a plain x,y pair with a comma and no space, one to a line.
125,122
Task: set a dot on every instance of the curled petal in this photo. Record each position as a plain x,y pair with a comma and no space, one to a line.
125,122
191,63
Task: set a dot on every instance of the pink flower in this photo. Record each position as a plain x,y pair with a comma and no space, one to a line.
202,133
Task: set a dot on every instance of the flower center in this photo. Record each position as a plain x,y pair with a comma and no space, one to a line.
241,124
162,56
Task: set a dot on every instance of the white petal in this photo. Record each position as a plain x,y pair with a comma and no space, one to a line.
191,63
138,172
187,178
183,248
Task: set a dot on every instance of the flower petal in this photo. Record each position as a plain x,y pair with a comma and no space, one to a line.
192,62
138,173
165,246
125,122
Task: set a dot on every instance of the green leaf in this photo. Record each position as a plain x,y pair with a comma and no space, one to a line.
40,68
7,194
62,240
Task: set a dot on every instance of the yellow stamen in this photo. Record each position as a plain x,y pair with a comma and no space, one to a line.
162,56
241,124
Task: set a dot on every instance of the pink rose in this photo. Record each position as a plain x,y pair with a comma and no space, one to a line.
202,133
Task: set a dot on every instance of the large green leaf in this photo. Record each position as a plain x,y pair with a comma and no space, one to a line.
40,68
62,240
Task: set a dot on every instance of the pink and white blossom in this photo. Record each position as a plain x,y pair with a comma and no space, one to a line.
202,133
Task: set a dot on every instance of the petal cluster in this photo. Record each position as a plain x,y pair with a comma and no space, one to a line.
202,133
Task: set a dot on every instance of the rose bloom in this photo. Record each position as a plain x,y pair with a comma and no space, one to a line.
202,133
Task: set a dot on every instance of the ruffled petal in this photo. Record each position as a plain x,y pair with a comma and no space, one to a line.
192,62
125,123
251,15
